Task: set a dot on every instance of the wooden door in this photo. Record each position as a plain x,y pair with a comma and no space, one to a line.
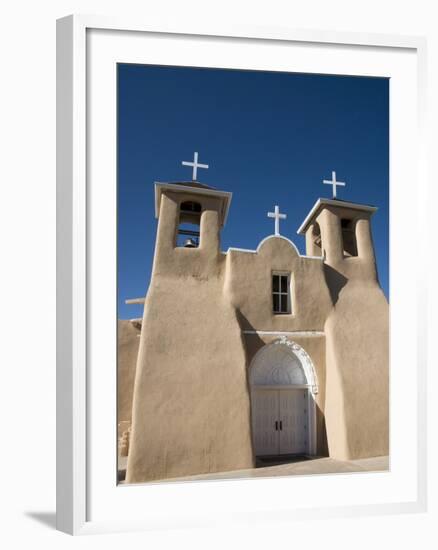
293,417
265,423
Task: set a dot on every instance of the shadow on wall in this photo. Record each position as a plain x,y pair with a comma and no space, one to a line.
258,343
335,282
321,433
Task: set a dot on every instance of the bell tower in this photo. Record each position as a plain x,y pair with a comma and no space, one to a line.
356,409
190,217
191,353
338,230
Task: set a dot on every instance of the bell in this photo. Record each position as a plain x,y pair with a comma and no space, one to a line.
190,243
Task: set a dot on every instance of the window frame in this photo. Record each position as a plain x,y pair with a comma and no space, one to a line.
281,293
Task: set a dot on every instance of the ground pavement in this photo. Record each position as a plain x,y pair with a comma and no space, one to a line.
302,466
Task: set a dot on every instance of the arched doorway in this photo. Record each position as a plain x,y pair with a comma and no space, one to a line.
283,385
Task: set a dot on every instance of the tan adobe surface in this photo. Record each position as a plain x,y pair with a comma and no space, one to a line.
206,315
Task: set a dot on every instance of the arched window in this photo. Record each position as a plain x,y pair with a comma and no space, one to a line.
277,366
189,222
283,363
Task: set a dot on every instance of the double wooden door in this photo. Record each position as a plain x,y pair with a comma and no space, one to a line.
280,421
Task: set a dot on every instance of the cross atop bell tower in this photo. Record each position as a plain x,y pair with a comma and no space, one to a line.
195,164
334,183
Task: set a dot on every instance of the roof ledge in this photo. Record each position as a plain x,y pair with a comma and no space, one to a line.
321,203
193,188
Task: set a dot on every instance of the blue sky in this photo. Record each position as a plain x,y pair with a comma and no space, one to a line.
270,138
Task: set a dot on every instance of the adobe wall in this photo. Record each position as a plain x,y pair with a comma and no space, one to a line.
357,402
191,406
357,339
127,351
191,410
249,285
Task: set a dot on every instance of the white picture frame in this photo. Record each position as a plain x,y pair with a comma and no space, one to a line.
77,210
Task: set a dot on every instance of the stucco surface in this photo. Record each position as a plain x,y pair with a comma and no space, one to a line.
357,408
191,404
248,283
127,351
206,315
191,410
357,338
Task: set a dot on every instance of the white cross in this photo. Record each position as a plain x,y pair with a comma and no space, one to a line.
195,165
276,214
334,183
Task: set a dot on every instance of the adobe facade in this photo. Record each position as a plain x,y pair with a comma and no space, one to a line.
259,352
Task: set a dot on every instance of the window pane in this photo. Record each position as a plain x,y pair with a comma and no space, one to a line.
284,303
275,285
283,283
276,302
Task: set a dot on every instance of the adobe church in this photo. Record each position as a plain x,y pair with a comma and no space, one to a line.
253,353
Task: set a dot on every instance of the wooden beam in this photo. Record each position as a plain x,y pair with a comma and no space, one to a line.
135,301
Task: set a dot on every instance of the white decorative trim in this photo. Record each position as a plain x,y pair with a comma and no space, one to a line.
233,249
298,352
277,366
294,333
305,361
